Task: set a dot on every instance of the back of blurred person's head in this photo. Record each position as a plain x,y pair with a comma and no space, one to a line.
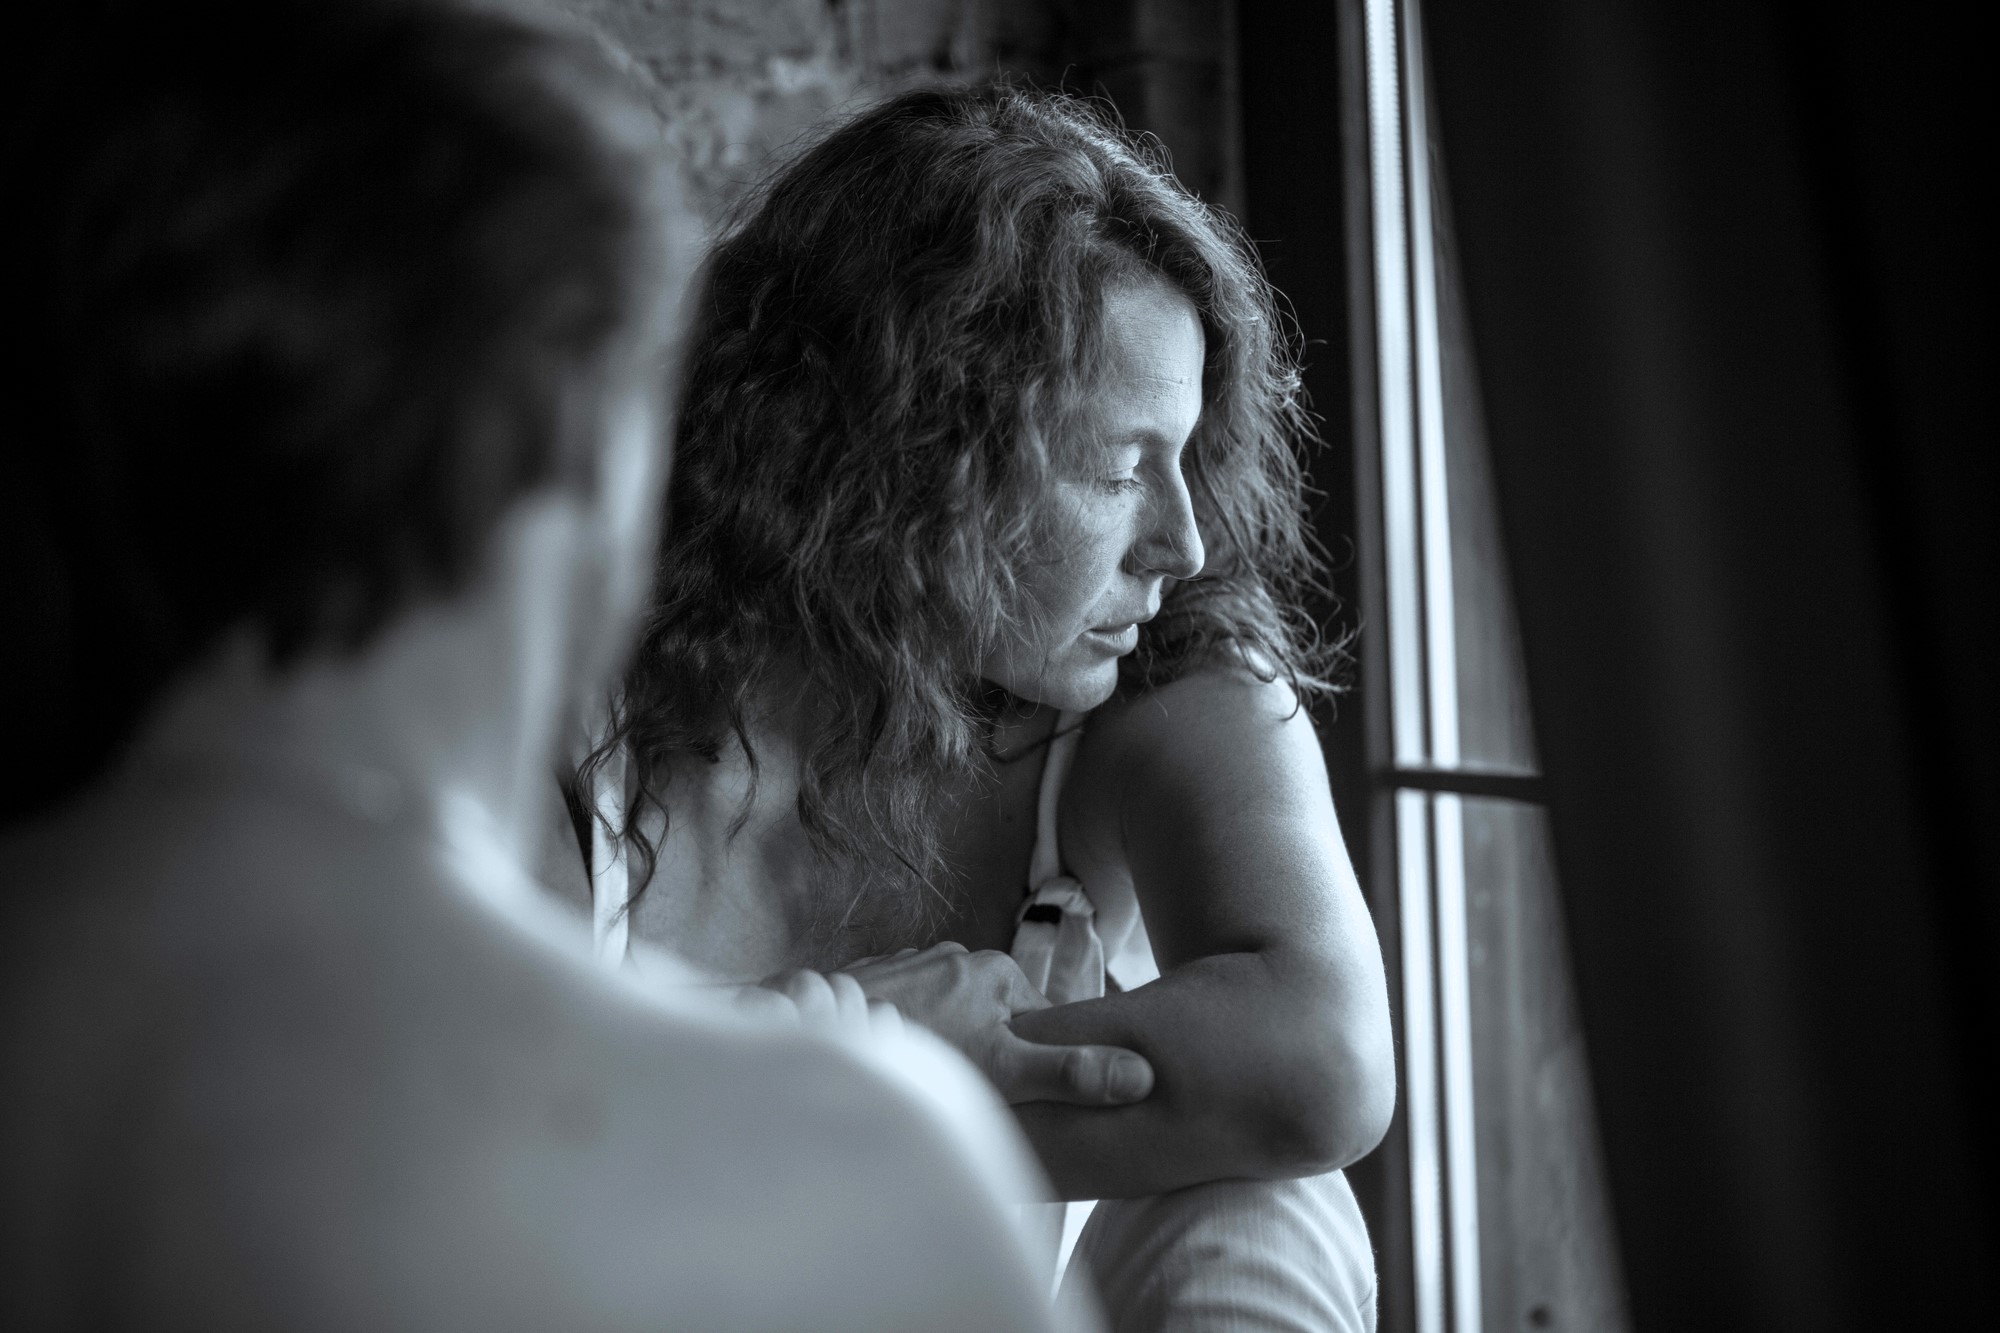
303,298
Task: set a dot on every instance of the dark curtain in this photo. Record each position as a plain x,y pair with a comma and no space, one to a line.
1726,280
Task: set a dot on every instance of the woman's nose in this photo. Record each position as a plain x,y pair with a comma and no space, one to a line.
1172,541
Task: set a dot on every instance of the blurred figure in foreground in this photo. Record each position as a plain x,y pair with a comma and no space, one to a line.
339,403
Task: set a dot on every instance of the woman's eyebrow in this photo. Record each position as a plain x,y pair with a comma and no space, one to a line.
1122,440
1144,439
1149,438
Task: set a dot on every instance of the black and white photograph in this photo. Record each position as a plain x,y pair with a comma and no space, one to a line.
999,666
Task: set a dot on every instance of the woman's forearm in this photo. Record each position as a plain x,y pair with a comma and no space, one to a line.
1257,1075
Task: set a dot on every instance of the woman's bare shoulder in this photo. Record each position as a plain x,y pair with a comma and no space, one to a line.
1174,764
1217,716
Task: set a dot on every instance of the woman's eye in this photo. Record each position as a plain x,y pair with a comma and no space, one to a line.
1121,482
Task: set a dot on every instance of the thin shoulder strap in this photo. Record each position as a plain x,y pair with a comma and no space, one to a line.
610,876
1046,863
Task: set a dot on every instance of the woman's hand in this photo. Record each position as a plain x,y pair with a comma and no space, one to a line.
969,999
817,999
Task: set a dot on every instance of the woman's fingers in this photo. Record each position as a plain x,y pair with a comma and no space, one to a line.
1018,993
820,999
823,998
963,996
763,1002
967,998
850,1002
808,991
1026,1071
875,958
885,1018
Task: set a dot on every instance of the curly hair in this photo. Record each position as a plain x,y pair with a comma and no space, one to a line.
897,336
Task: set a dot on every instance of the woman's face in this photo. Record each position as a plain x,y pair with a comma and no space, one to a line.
1117,523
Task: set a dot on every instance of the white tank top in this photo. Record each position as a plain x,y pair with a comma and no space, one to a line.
1066,939
1065,942
610,871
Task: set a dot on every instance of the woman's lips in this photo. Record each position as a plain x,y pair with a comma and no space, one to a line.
1117,640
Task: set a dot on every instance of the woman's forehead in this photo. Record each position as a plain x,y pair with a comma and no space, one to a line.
1149,375
1152,329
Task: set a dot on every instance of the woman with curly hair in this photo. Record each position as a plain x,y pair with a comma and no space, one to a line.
975,683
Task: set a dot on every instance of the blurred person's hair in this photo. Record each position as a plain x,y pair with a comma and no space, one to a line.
899,336
303,297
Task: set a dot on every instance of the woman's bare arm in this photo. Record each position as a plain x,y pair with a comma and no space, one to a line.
1269,1028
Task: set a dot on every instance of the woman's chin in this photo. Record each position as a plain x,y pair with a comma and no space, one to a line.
1080,690
1074,682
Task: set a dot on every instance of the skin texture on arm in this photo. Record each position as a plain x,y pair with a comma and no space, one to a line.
1269,1029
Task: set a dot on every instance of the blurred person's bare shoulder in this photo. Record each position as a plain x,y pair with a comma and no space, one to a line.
249,1090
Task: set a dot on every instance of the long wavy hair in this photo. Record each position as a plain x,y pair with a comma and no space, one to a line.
898,336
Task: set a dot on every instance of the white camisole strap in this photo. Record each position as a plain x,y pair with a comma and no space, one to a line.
610,872
1055,935
1046,862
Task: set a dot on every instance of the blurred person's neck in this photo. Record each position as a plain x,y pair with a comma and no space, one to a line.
455,702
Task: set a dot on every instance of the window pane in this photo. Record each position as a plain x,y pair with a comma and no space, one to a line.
1544,1220
1493,726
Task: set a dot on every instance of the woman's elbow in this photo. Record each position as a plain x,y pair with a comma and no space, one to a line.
1364,1106
1337,1106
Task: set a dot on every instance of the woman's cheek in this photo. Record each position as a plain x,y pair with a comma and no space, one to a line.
1100,538
1088,531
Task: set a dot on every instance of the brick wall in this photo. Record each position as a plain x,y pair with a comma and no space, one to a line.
739,81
